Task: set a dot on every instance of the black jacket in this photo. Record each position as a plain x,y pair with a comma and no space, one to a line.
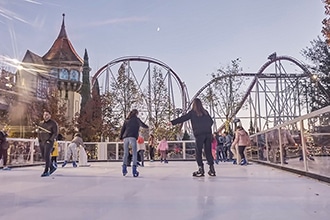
200,124
3,140
131,128
50,126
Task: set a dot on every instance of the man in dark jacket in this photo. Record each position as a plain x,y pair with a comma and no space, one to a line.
47,133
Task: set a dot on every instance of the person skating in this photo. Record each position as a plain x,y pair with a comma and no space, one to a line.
47,133
151,145
201,122
141,147
163,148
242,140
129,134
72,150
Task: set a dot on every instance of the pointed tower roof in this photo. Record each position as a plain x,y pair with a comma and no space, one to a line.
62,51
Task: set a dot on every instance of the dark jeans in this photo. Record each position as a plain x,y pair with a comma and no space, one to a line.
151,152
241,151
204,141
225,153
221,153
46,149
3,155
141,156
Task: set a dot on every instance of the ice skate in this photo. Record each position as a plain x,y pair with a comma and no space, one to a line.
199,172
243,162
64,163
124,170
212,171
52,170
134,171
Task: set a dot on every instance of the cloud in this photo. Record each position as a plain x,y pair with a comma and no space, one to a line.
34,2
118,21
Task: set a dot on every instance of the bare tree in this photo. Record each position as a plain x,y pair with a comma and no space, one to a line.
224,95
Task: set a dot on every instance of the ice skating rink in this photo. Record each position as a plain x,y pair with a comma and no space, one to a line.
162,191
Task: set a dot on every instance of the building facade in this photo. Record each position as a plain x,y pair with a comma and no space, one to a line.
60,68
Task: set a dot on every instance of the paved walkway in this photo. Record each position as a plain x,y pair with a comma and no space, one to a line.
162,191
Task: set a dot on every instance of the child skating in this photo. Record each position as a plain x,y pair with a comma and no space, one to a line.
162,149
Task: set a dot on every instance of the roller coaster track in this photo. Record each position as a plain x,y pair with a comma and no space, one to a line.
184,93
259,74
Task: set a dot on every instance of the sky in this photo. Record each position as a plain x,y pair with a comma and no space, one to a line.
193,37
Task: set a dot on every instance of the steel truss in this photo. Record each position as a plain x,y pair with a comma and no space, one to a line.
141,69
276,93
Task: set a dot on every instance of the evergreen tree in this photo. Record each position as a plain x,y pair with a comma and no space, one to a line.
96,119
85,88
84,119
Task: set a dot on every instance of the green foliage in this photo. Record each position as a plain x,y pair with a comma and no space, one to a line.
85,88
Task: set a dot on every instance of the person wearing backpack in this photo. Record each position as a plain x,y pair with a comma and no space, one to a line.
242,139
141,147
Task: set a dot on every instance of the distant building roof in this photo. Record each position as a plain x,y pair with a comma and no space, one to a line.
62,51
33,58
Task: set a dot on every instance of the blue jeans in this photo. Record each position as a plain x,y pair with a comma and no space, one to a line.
130,141
220,153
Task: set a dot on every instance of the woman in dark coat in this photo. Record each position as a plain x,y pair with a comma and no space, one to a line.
201,122
129,133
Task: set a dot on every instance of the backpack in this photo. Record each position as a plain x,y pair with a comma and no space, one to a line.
140,140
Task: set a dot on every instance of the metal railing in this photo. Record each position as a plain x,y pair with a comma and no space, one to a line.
309,154
26,151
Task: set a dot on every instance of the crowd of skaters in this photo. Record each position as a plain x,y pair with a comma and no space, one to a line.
217,147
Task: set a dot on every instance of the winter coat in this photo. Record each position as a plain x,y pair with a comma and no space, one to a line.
162,146
241,138
78,141
50,126
200,124
55,151
131,128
